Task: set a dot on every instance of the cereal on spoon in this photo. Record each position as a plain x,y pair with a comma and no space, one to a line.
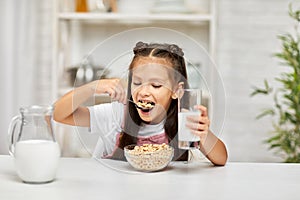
145,105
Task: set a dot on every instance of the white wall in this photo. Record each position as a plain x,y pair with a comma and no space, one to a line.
6,72
246,41
25,58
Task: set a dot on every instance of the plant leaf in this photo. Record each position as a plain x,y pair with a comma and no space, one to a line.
265,113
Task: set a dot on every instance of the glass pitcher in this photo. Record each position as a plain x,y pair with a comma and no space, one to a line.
32,144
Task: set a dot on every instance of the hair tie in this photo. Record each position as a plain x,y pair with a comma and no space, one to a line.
173,48
140,45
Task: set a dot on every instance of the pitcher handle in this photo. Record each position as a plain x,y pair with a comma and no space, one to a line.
11,133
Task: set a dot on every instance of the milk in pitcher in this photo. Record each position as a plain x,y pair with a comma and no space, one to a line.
36,161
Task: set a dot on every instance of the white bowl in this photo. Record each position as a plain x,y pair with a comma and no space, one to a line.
149,161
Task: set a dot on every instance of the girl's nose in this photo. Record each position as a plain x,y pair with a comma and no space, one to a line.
144,90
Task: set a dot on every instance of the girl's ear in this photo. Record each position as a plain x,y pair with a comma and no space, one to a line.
177,92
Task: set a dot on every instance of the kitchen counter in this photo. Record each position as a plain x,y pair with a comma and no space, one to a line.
88,179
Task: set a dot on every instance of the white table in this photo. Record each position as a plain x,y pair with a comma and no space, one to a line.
87,179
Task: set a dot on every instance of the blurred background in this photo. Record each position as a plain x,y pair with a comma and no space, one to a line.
44,42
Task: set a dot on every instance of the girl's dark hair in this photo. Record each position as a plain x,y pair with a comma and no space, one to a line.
174,56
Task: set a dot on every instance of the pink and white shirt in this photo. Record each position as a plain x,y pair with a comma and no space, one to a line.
106,121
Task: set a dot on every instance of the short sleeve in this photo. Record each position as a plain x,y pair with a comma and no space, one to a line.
104,117
105,121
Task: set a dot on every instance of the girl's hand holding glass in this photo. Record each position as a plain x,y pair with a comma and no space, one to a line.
199,125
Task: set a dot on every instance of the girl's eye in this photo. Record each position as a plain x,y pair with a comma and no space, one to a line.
136,83
156,85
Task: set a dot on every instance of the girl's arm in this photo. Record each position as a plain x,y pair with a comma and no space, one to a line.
69,109
210,145
214,149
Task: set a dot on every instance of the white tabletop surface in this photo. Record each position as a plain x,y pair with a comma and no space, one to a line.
88,179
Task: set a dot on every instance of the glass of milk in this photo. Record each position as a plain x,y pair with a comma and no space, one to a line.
188,99
33,146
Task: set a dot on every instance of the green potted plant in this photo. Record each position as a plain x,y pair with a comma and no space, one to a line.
285,111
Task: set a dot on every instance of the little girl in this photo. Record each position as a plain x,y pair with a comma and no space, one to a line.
156,73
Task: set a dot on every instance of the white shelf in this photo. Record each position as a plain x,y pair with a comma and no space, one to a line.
136,17
73,30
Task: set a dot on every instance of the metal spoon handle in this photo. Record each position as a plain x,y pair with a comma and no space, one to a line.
135,104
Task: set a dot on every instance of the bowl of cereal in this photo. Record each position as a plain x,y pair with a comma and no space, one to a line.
149,157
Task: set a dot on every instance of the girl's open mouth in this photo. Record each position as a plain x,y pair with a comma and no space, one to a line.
145,106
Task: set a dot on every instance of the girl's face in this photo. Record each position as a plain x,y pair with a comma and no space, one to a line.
152,83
